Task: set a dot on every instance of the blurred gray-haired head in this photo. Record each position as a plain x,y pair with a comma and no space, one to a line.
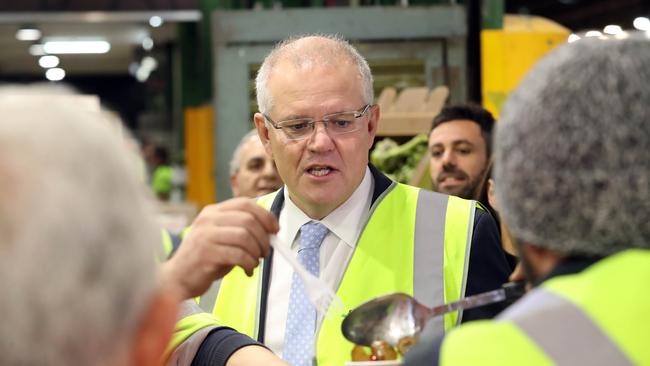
573,149
77,264
309,51
235,161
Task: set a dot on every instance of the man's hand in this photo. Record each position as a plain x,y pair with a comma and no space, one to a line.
233,233
519,275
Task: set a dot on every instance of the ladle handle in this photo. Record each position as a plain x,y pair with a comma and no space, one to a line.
509,291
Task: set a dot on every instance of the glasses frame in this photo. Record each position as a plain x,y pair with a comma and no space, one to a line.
312,122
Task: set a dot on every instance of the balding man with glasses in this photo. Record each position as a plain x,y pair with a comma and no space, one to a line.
345,221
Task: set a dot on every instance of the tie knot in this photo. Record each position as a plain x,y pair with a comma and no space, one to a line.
312,235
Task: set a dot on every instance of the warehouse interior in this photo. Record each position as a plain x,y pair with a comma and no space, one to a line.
251,168
172,62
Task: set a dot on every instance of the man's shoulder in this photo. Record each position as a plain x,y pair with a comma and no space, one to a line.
466,345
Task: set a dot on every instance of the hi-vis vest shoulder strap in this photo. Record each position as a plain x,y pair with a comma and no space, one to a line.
599,316
415,241
192,328
542,313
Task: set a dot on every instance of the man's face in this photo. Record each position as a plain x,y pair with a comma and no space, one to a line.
458,157
257,174
321,171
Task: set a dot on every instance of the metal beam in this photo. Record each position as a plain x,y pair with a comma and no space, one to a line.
367,23
99,16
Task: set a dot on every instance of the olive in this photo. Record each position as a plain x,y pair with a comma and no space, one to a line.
359,354
405,343
383,351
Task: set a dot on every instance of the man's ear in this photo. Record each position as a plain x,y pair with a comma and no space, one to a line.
371,131
154,331
234,185
373,123
263,132
492,200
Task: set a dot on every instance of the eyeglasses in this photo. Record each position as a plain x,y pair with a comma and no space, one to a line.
336,124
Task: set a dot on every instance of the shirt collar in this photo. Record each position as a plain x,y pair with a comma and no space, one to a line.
346,221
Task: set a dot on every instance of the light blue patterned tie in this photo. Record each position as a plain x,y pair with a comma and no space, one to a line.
301,318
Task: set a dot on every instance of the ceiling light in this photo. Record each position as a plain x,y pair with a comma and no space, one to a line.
573,37
28,34
622,35
48,61
149,63
593,33
613,29
142,74
60,47
55,74
155,21
147,43
36,50
642,23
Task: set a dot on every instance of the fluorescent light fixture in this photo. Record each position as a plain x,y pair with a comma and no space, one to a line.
573,37
55,74
28,34
593,33
613,29
147,43
36,50
642,23
61,47
155,21
48,61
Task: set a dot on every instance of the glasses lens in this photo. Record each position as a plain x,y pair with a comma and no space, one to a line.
340,123
297,128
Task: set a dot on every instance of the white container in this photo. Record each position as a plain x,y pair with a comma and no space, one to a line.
375,363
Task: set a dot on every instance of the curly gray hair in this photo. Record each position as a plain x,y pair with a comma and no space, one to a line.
572,166
76,258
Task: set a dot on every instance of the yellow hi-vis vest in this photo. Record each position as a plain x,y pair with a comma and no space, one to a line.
415,241
192,328
600,316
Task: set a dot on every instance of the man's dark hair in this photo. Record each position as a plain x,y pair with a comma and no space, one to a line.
471,112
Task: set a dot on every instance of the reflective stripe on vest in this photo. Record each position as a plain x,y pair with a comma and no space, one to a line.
542,314
191,329
434,211
411,235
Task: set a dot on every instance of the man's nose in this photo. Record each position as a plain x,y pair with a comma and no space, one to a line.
320,139
269,169
449,158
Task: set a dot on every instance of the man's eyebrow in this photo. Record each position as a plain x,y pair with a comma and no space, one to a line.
255,158
453,143
461,141
293,116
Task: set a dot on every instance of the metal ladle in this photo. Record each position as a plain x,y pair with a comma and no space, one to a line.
393,317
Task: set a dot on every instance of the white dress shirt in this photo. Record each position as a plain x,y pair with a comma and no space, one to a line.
345,224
